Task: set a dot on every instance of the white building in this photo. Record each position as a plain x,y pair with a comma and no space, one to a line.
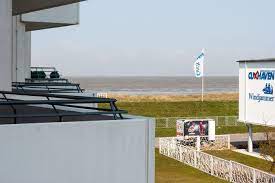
38,149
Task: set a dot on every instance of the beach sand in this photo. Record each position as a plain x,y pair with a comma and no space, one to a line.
175,98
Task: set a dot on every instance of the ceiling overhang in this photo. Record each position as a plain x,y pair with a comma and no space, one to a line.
52,18
26,6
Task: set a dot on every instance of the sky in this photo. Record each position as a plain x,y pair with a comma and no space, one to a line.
158,37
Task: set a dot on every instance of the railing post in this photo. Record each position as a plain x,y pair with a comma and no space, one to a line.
166,123
254,176
198,143
230,172
180,152
226,120
195,159
212,165
217,121
228,142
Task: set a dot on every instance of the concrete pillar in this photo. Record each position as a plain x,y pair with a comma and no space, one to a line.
250,138
5,44
21,51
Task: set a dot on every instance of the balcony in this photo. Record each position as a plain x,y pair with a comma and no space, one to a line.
87,144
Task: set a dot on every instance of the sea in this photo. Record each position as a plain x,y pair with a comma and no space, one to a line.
158,85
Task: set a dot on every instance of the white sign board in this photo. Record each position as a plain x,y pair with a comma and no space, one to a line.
256,95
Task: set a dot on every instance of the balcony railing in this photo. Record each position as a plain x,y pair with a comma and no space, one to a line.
47,87
12,100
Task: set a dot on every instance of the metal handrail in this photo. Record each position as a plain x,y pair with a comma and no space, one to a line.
59,100
50,87
43,84
51,95
34,80
44,68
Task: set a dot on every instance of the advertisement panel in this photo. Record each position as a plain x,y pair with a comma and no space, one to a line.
256,102
196,127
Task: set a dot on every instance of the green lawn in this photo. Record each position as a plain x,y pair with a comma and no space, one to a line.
185,108
244,159
172,171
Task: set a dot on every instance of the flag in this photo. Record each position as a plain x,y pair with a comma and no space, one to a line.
198,65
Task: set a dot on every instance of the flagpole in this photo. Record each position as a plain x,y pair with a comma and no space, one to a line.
202,80
202,87
199,73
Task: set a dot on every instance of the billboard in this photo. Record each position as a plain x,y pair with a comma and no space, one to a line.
256,95
196,127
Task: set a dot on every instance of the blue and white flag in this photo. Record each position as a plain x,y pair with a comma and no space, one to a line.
198,65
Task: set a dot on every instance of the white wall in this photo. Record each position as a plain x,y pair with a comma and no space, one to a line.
256,110
21,61
120,151
5,44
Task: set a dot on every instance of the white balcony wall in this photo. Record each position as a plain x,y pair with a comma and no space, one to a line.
117,151
54,17
5,44
21,60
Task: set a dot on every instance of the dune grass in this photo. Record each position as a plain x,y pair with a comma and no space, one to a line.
172,171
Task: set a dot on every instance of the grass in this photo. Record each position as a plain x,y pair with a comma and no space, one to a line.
165,132
175,98
187,109
184,108
244,159
172,171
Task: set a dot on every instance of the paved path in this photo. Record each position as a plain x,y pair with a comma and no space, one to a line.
239,137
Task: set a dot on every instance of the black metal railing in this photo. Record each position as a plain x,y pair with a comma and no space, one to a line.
48,87
45,74
45,80
13,99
